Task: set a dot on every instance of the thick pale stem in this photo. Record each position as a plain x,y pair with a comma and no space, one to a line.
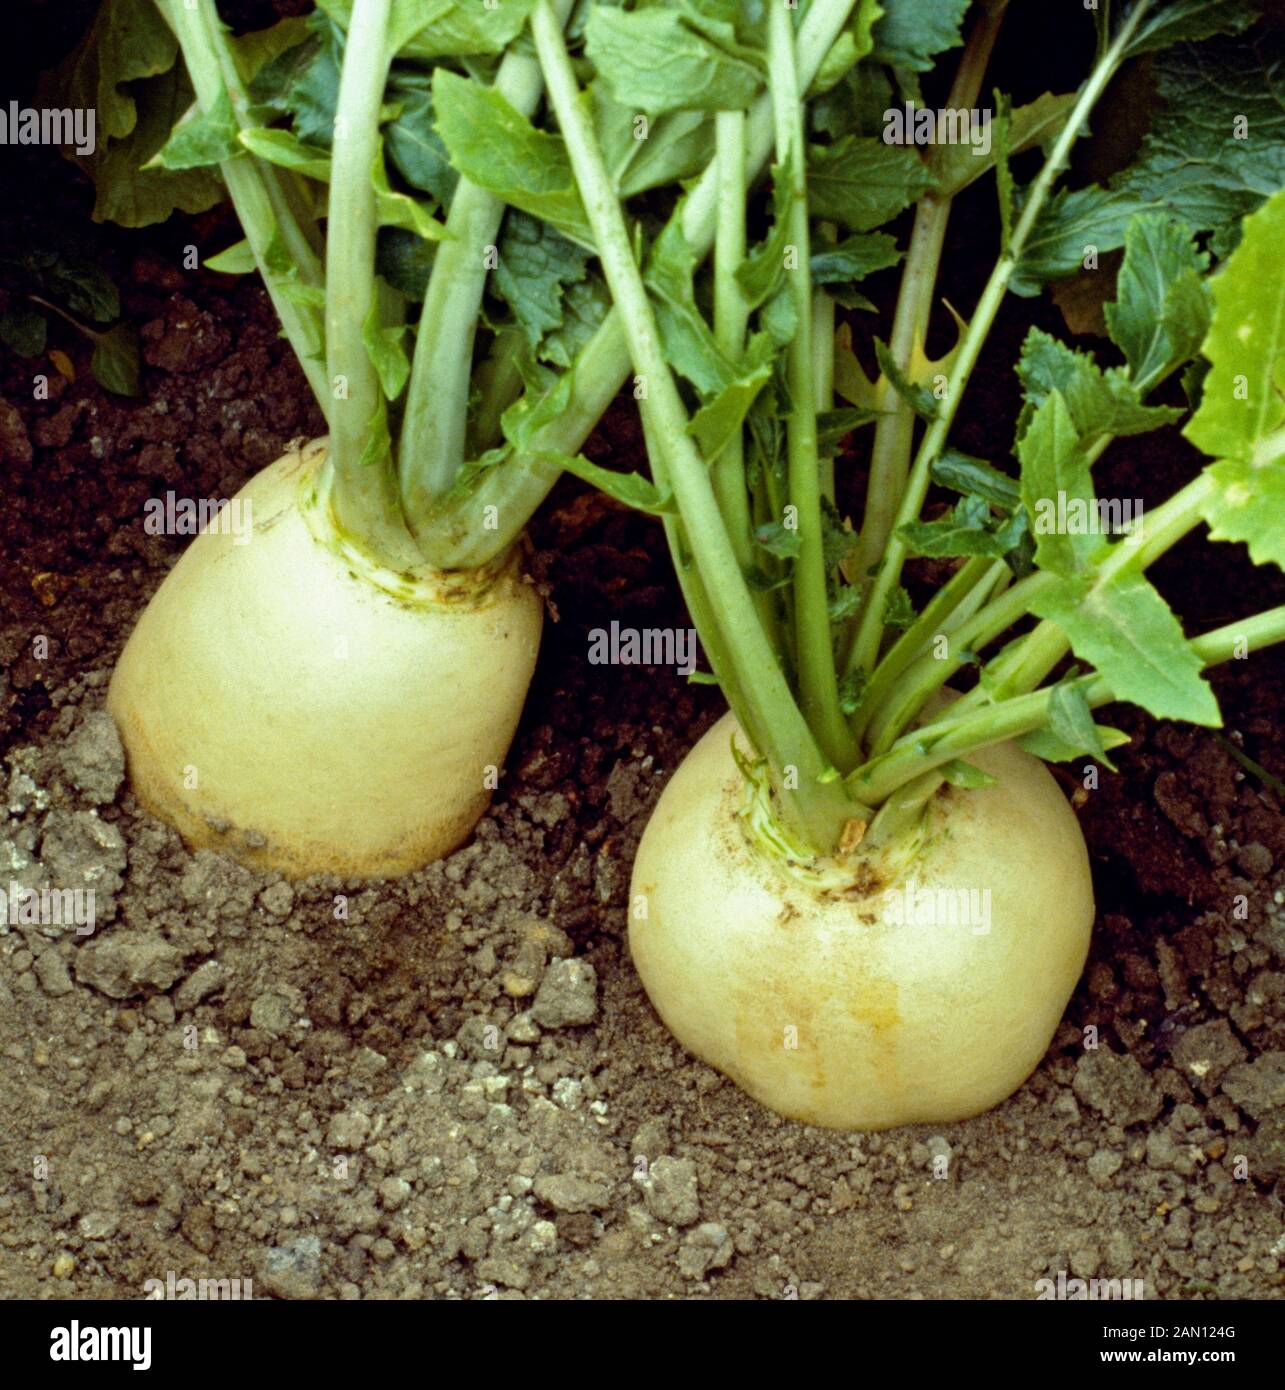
814,643
435,426
249,182
364,495
894,431
463,534
866,647
815,808
933,744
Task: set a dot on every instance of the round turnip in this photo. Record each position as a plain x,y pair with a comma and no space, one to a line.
921,984
287,702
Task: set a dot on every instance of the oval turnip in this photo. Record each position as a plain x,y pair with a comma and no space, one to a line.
861,1004
282,702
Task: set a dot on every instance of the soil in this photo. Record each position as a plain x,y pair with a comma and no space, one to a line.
452,1086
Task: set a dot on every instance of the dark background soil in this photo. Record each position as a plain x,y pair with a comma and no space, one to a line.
225,1081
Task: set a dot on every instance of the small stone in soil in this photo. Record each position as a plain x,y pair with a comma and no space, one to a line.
568,1193
94,760
568,995
293,1270
670,1191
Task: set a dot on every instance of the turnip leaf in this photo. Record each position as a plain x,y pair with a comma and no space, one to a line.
1099,402
1241,420
1161,312
658,60
1127,631
861,183
498,149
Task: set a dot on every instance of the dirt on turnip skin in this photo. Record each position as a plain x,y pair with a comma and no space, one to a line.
344,1127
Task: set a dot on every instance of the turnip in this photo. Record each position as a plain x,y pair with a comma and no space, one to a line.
862,896
385,697
339,694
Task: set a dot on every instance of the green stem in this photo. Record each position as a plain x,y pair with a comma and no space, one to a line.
894,430
731,315
816,809
200,36
869,635
435,424
929,674
823,374
917,636
814,640
933,744
513,489
363,491
1031,659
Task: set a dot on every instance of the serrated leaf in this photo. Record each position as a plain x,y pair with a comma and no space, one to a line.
535,263
657,60
968,529
1054,470
862,183
412,142
1099,402
497,148
201,139
445,28
966,474
898,611
1186,21
630,489
1241,418
1242,403
853,259
1127,631
1071,721
779,539
1215,151
689,342
956,166
114,363
911,33
1043,743
1161,312
919,398
720,418
762,272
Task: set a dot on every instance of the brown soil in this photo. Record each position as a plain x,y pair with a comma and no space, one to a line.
226,1081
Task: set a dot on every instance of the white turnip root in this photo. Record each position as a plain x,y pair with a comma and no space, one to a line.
821,1003
282,702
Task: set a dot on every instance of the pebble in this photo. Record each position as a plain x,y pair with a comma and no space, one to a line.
567,1192
293,1270
393,1192
94,760
199,985
671,1192
272,1014
51,971
123,964
1103,1166
1115,1085
568,995
708,1246
98,1225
